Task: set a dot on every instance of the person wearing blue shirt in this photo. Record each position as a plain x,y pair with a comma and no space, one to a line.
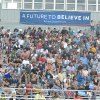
80,78
88,45
85,61
77,40
7,75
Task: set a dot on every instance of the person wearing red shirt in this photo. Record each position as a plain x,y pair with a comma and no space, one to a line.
77,97
28,88
39,45
42,59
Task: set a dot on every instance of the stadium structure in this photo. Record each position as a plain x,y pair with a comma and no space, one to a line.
10,12
10,9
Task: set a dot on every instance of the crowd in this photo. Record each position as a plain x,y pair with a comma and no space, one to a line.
48,59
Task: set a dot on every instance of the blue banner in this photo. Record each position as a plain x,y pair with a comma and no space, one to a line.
55,18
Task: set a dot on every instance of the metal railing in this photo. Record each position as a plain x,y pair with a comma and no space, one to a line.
32,92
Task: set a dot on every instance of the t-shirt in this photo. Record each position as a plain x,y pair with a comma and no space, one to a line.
39,97
1,77
34,70
42,60
93,49
39,46
20,42
61,76
78,98
85,72
7,75
25,62
91,86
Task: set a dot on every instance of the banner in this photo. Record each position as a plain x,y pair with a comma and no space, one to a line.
55,18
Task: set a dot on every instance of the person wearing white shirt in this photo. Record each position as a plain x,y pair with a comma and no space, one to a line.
25,62
70,69
85,72
66,61
20,41
98,55
65,44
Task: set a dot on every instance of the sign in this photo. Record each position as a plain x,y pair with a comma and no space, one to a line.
55,18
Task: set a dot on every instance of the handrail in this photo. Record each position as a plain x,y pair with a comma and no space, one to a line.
34,91
47,99
51,89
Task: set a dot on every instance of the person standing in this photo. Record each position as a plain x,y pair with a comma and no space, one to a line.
93,97
92,26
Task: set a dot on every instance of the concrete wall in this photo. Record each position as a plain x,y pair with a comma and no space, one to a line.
0,12
10,19
95,16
